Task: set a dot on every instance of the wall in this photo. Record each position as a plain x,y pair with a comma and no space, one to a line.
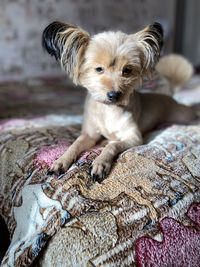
191,35
22,22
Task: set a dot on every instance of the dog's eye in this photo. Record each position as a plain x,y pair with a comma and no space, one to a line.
99,69
127,71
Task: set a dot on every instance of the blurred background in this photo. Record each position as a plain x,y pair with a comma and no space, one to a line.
31,82
22,23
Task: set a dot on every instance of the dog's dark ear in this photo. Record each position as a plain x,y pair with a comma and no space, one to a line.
66,43
151,41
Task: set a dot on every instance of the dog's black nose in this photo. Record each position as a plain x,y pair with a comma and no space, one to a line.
114,95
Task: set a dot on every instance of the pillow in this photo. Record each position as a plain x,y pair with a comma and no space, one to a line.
146,184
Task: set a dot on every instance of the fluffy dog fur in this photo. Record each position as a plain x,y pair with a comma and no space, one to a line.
111,65
176,69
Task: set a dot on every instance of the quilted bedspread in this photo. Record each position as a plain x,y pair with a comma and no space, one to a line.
146,213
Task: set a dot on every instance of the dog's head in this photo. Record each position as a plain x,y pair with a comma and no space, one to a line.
110,64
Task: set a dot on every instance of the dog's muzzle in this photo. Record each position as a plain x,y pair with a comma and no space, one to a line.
114,96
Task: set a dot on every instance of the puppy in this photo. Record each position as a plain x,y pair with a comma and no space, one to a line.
112,65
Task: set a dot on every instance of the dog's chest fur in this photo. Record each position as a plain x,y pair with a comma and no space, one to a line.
113,122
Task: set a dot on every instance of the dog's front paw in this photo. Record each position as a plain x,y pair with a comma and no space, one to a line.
100,169
60,166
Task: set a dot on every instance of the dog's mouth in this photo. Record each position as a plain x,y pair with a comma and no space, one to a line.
119,102
111,103
107,102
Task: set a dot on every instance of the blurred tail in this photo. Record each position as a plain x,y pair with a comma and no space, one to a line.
176,69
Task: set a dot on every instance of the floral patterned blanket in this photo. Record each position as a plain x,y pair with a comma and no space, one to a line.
146,213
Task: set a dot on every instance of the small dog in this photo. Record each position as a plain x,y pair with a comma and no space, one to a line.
112,65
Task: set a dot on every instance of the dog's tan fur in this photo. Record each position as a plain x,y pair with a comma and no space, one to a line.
123,122
176,69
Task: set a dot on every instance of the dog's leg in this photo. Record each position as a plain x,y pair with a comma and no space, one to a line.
82,143
102,164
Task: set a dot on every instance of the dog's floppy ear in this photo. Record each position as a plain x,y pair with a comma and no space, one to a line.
151,41
66,43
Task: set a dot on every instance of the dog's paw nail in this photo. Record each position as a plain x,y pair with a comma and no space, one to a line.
96,178
61,172
104,175
49,172
90,170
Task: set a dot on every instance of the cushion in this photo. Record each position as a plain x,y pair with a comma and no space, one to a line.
147,184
